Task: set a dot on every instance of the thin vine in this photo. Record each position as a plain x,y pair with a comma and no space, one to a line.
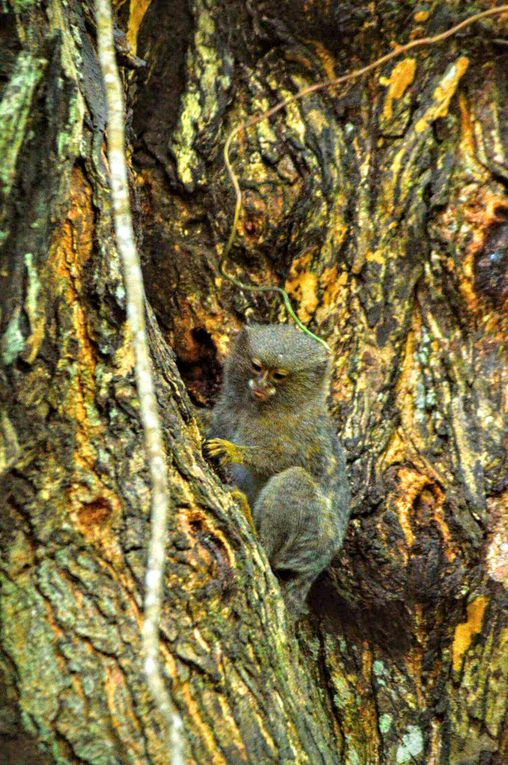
322,85
154,445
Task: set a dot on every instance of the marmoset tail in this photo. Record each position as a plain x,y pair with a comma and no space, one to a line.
271,426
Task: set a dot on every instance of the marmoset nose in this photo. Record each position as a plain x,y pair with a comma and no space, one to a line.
260,388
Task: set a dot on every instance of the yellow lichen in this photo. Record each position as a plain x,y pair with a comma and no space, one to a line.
326,59
467,140
137,11
332,283
375,256
302,284
396,451
443,94
410,485
401,78
465,632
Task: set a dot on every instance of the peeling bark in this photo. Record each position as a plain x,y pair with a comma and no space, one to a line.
383,210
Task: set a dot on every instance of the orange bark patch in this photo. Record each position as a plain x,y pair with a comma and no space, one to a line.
95,513
465,632
408,379
333,284
122,714
74,244
207,737
93,505
450,548
72,249
396,451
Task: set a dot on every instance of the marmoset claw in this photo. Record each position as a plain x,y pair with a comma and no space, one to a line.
223,450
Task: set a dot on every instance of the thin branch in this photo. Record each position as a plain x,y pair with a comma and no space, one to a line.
322,85
144,378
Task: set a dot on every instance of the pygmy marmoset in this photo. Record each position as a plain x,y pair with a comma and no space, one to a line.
271,426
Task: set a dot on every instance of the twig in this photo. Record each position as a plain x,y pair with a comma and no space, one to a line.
322,85
144,379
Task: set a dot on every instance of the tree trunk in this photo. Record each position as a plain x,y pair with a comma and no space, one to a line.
382,208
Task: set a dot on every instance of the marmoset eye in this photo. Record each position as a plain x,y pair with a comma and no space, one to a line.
256,365
279,374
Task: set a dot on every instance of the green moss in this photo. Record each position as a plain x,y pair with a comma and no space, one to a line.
30,644
353,758
21,6
69,140
9,445
411,745
34,288
379,668
14,113
385,723
12,341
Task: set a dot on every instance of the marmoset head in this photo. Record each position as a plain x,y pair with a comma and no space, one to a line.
276,364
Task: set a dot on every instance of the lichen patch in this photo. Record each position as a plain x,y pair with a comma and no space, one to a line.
466,631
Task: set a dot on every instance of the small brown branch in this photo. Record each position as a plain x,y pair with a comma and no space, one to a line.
322,85
156,456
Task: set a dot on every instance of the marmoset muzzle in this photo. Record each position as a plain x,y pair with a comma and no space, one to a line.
260,388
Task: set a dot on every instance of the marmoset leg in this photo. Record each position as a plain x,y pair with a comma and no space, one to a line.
296,525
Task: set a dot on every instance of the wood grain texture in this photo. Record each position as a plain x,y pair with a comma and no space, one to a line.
383,210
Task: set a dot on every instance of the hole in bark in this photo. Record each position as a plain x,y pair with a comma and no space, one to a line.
196,526
21,749
95,513
9,45
199,367
163,39
388,625
500,212
491,272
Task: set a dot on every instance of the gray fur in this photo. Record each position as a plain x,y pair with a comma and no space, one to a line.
293,469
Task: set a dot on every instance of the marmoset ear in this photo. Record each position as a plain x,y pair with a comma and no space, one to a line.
324,367
241,344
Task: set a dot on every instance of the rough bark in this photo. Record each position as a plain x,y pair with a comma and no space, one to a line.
383,210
